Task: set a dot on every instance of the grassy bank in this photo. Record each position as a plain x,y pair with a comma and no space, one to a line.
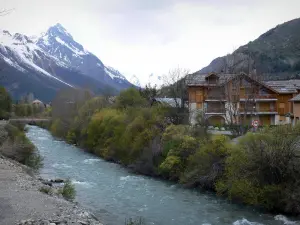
262,169
15,145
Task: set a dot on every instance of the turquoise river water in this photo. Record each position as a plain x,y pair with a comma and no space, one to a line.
113,194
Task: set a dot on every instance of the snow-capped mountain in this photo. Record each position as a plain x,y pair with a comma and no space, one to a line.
50,62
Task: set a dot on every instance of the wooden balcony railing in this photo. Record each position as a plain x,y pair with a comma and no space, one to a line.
215,109
215,97
256,110
259,96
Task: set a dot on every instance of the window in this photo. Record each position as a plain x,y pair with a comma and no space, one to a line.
192,96
199,96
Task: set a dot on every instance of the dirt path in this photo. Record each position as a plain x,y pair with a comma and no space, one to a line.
21,202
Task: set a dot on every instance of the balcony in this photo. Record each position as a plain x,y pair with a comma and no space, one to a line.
215,109
259,98
255,111
215,98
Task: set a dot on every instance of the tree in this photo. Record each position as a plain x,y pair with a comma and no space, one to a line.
237,111
130,97
175,88
66,104
5,104
149,92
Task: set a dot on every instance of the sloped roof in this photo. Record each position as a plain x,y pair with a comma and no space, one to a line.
295,99
285,86
199,80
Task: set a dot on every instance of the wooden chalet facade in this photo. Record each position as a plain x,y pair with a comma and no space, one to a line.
238,98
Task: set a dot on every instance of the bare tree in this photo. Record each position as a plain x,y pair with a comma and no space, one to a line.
66,104
239,94
175,87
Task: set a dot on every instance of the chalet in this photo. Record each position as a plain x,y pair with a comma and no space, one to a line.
239,98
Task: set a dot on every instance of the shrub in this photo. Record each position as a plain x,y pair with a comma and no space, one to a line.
68,191
206,166
171,167
18,147
58,129
264,170
34,161
130,97
46,190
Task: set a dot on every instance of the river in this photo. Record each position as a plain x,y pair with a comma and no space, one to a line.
113,194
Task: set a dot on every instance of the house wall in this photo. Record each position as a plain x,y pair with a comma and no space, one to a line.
283,104
196,100
296,112
242,89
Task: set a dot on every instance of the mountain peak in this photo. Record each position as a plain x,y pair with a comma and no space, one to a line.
58,30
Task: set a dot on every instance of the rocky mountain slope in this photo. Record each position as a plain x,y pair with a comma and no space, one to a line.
273,55
43,65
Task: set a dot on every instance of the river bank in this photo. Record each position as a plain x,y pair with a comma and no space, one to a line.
114,194
22,202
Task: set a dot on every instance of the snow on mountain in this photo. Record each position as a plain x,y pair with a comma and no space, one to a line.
54,60
59,43
113,73
20,52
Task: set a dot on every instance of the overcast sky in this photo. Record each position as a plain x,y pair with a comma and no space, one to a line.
141,37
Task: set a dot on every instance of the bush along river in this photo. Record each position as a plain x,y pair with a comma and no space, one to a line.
113,194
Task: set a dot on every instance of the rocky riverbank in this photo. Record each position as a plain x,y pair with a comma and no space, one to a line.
22,202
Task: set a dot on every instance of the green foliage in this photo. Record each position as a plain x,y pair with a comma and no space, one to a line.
178,145
206,166
5,104
58,129
34,161
149,92
171,167
264,169
130,98
68,191
46,190
71,137
28,110
18,147
122,135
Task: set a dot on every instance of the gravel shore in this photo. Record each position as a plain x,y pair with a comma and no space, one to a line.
22,203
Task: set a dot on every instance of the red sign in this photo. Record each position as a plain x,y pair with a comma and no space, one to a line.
255,123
